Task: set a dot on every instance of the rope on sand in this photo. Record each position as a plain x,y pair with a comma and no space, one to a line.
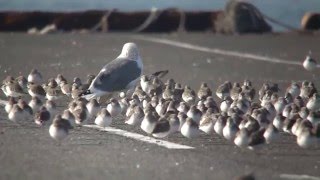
154,14
103,23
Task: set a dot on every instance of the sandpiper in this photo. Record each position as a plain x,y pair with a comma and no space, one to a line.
72,106
219,125
183,107
314,117
225,104
145,83
306,139
280,104
16,114
103,118
26,108
242,138
149,122
22,81
257,139
77,81
42,116
235,91
207,124
9,104
188,95
139,92
81,115
204,91
304,112
76,91
271,134
90,78
168,93
195,114
114,107
136,116
249,92
68,116
35,103
93,107
66,88
294,89
59,129
309,63
224,90
278,121
313,103
190,129
52,93
124,104
230,129
162,128
60,78
13,89
35,77
52,108
182,119
36,90
264,88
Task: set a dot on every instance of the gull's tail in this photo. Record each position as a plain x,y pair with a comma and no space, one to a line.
160,74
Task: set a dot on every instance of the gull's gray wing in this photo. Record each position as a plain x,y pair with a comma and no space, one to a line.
116,75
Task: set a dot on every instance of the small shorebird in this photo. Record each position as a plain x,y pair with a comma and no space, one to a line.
230,129
68,116
224,90
16,114
35,77
278,121
42,116
114,107
190,129
149,122
271,134
13,89
60,78
103,118
242,138
66,88
11,101
51,107
309,63
293,89
36,90
313,102
93,107
59,129
195,114
204,91
136,116
188,95
35,103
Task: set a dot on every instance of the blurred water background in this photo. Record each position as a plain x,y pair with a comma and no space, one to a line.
287,11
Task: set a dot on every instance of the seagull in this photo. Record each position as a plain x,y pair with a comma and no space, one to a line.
120,74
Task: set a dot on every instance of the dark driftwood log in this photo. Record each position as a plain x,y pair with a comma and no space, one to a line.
165,21
311,21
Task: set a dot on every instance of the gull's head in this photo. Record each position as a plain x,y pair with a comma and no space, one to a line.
130,50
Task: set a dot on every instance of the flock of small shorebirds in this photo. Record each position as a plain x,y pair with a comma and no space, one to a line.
161,109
